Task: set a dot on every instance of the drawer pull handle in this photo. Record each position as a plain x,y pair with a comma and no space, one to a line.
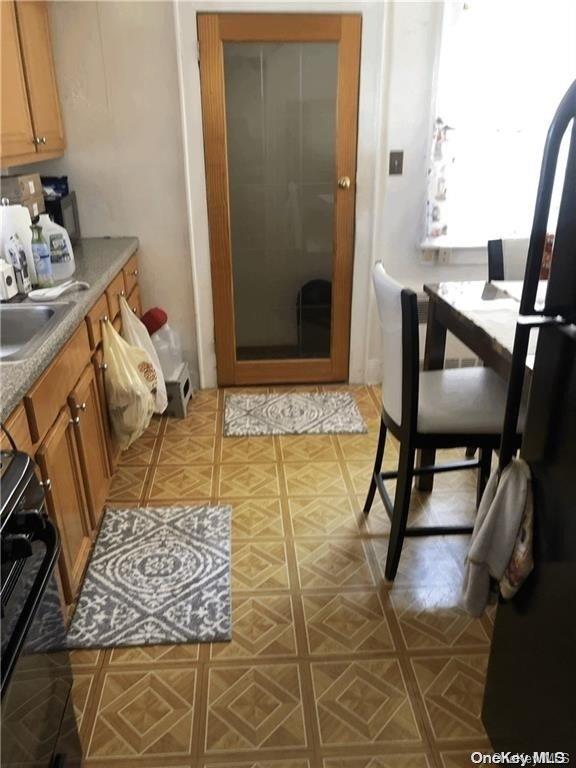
81,407
75,420
103,366
104,319
122,293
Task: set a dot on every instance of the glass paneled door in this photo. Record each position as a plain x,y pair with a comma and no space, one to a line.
280,99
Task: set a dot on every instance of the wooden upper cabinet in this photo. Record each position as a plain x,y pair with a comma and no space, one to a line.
88,420
59,464
34,29
17,136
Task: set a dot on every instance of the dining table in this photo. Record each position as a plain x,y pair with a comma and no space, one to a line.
483,316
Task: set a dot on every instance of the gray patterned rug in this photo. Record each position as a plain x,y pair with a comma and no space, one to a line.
303,413
157,575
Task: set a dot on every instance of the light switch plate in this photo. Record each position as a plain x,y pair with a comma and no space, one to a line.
396,163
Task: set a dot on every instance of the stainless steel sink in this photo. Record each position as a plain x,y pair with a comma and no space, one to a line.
23,327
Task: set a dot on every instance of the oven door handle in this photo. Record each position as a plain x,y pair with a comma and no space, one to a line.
49,536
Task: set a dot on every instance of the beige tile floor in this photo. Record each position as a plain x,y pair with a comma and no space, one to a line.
329,665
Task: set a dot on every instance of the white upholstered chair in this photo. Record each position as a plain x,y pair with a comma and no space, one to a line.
449,408
507,259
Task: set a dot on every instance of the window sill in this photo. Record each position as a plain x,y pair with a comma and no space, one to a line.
446,243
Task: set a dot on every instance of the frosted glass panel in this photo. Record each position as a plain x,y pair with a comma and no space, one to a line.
281,131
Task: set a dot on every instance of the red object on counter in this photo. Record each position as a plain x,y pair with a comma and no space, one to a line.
154,319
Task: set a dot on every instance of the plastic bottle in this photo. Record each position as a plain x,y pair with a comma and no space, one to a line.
15,254
15,219
61,254
41,253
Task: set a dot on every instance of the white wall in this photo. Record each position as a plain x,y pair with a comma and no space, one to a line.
412,37
118,79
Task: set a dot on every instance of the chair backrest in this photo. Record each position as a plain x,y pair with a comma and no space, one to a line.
397,310
507,259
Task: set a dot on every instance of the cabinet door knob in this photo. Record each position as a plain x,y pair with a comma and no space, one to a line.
135,273
344,182
134,310
103,366
75,420
104,319
122,293
43,139
37,140
81,407
46,484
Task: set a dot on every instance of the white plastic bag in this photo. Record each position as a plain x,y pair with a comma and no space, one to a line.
129,379
167,344
136,334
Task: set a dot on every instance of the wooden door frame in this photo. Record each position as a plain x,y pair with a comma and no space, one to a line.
213,31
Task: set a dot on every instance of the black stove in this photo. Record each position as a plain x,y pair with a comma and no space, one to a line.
38,724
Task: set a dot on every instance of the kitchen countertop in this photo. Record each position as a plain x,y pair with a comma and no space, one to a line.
98,261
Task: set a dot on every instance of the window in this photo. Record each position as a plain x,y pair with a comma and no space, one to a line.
503,69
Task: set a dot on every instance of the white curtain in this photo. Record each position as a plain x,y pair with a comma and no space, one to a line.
503,68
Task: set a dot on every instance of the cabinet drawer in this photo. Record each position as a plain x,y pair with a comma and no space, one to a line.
113,293
130,271
112,445
88,421
59,464
93,320
49,394
135,303
17,425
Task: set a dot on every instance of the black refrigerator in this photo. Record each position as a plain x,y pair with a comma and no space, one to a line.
530,694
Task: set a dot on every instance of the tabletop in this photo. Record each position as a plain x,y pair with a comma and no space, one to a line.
483,315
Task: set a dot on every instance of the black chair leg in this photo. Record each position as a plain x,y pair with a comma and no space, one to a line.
483,473
401,508
377,467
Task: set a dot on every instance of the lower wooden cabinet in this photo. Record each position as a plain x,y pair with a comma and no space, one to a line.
59,464
111,442
88,420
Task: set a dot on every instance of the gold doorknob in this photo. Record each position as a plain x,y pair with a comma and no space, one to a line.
344,182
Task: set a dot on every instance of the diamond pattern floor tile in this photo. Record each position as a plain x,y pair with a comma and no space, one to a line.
314,479
198,423
255,518
249,480
186,449
352,622
452,688
263,628
140,452
261,764
326,516
186,482
308,448
363,448
154,655
146,713
431,617
378,761
127,483
424,561
363,703
254,708
332,563
248,449
259,565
